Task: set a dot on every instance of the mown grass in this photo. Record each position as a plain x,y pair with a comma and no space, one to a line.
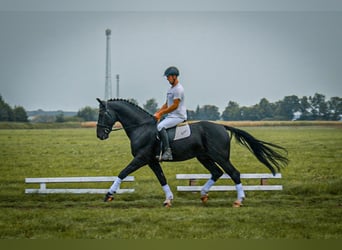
309,207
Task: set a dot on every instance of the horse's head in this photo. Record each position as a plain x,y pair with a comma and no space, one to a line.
106,120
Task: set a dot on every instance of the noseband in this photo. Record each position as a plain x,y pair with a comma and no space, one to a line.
107,128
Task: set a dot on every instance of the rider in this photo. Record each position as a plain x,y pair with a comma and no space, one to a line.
175,109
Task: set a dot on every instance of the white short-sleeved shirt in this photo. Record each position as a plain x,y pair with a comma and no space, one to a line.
176,92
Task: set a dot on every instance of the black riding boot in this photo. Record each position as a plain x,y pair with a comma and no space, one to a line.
167,153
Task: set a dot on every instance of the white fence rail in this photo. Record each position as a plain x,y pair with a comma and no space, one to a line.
192,178
44,181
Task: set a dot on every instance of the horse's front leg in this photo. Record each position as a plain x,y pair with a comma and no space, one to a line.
134,165
157,170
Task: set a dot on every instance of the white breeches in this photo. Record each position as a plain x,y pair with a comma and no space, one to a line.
169,123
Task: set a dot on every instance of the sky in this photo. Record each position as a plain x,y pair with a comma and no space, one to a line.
52,53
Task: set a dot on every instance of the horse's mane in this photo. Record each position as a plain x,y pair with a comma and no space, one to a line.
130,103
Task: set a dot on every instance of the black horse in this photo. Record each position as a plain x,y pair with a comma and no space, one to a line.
209,143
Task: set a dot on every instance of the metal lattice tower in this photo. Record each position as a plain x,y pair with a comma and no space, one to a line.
108,85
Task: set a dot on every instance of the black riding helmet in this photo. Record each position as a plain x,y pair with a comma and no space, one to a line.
171,71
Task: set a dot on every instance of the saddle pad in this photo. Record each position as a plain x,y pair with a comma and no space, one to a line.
182,132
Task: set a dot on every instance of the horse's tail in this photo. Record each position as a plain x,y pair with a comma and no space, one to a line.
262,150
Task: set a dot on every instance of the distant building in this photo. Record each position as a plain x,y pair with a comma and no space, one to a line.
296,115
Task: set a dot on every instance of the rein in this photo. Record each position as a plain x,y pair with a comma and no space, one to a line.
108,128
137,125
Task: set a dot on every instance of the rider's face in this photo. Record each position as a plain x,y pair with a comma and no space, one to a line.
171,79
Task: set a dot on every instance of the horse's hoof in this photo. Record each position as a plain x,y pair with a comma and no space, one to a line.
167,203
237,203
108,197
204,198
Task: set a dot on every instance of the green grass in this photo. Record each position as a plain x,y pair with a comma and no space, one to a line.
309,207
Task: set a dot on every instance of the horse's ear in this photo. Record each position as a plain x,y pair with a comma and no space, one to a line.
101,102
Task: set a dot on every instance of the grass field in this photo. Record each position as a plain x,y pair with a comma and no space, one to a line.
309,207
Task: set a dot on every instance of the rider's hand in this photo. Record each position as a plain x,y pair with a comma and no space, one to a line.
157,115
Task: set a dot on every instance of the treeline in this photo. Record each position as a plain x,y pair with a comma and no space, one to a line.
289,108
84,114
19,114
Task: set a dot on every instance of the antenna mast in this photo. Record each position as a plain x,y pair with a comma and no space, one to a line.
117,86
108,85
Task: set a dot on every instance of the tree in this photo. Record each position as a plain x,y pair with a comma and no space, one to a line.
60,117
319,107
197,113
208,112
6,113
232,112
88,114
250,113
335,108
20,114
305,109
191,115
151,106
17,114
265,109
287,107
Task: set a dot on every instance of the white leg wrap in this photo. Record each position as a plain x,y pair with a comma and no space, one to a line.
168,192
207,186
240,192
115,186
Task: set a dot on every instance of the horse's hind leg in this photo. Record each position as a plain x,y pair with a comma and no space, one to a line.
216,173
235,175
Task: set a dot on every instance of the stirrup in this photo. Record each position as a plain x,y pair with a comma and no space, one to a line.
167,156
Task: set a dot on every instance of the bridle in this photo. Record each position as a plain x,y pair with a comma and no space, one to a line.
109,128
102,124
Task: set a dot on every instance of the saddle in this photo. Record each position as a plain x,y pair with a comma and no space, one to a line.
181,131
178,132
